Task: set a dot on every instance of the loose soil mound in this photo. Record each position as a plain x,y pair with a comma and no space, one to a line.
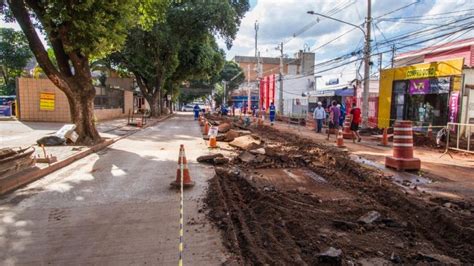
272,223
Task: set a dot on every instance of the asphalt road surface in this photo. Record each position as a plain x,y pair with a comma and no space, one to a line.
115,207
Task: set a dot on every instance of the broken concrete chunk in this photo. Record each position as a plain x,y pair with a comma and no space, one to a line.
51,141
65,131
344,225
220,137
245,143
369,217
231,135
209,158
224,127
220,160
246,157
331,256
258,151
443,259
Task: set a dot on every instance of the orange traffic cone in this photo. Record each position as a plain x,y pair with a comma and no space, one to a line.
340,139
384,138
205,131
212,142
182,171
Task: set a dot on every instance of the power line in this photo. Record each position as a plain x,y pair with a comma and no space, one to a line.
430,16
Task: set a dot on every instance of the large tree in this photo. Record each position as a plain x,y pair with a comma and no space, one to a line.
181,47
233,75
77,31
14,56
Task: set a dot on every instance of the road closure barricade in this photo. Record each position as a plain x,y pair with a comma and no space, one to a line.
460,137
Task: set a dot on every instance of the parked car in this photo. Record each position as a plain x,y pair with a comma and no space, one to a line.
187,108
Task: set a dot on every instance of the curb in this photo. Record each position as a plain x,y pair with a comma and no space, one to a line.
18,180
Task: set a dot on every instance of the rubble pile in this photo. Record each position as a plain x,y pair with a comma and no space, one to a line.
286,200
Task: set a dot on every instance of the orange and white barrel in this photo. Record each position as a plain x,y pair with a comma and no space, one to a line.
402,158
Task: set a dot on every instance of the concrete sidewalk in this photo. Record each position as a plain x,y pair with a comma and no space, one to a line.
452,177
16,134
115,207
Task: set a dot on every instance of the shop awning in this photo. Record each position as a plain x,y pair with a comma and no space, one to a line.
345,92
325,93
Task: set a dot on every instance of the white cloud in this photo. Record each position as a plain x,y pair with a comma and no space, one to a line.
279,20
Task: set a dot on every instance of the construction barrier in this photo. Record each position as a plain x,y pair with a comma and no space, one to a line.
402,158
463,135
347,133
205,130
340,139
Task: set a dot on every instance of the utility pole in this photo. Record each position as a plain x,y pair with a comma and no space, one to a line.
393,54
256,35
280,100
249,100
365,109
366,32
224,98
380,63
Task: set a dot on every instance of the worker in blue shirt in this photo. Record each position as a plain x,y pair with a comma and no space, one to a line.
196,110
272,113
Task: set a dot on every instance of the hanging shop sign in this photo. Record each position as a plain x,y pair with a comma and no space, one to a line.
430,86
453,107
440,85
47,101
421,73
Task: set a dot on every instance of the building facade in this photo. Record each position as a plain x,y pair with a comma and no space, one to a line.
427,93
41,100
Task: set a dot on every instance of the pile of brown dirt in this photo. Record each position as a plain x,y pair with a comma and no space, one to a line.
421,140
267,220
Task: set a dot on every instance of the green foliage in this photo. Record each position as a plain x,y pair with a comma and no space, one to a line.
14,55
233,74
97,27
182,46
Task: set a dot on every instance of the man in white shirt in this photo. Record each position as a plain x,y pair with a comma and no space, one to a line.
319,116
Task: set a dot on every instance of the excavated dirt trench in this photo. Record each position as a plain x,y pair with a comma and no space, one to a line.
302,199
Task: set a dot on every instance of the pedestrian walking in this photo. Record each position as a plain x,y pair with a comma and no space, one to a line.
272,113
343,114
262,113
196,110
355,122
319,115
334,114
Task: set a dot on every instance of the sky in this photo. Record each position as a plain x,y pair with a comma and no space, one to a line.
287,21
280,20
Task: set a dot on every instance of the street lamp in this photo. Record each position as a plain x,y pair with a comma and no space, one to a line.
365,109
311,12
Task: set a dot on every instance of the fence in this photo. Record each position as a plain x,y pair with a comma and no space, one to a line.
462,136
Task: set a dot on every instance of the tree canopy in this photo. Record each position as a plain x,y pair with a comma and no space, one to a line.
78,31
14,56
181,47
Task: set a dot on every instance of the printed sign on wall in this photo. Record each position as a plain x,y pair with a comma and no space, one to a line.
419,86
47,101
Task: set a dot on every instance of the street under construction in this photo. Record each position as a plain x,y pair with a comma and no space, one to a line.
283,199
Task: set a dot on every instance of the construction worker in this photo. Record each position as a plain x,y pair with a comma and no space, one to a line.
196,110
319,115
355,122
272,113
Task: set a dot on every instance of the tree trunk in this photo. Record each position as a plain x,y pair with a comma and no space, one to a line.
82,115
154,107
78,85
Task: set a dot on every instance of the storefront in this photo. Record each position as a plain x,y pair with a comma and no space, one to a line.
423,93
